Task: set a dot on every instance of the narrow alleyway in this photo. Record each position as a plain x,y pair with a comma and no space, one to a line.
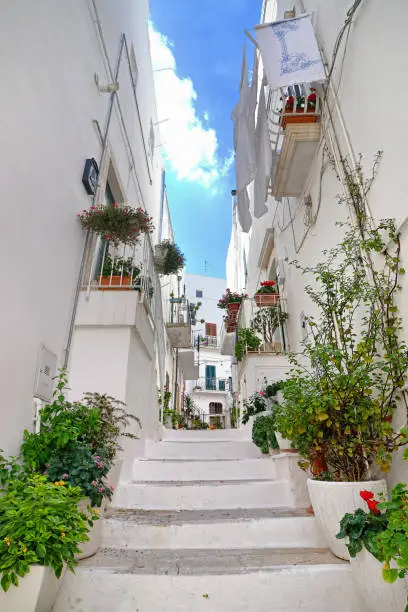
208,525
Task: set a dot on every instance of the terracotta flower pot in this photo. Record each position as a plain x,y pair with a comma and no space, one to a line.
114,282
266,299
233,306
305,118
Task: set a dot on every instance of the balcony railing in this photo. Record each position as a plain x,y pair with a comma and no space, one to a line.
212,384
294,129
179,318
256,310
209,342
127,268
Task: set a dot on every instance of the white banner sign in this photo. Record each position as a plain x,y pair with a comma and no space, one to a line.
290,53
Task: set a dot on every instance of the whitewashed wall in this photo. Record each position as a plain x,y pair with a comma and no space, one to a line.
49,53
369,116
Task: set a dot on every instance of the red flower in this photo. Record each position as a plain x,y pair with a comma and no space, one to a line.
262,393
366,495
372,504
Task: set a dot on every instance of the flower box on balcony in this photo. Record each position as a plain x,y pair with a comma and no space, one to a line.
266,299
298,118
114,282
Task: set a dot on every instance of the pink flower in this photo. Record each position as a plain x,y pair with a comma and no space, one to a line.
64,476
101,489
112,488
262,393
99,465
94,483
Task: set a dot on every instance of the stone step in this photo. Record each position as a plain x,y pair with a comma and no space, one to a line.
204,435
261,580
202,450
262,527
245,469
200,495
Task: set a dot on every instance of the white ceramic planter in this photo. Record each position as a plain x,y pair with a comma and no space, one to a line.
331,501
36,592
284,444
376,594
90,548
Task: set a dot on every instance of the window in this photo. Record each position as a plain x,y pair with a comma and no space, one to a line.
215,408
199,293
211,330
151,139
221,385
134,71
210,378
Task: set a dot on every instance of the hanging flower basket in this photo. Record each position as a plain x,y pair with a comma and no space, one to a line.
267,294
117,224
168,259
231,301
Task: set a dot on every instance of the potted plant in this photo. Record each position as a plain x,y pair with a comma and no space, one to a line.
266,322
76,443
231,301
377,542
343,389
117,273
247,341
300,104
254,405
117,224
168,258
263,433
267,294
41,529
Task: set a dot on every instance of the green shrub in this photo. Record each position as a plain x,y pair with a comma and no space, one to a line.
39,524
247,341
263,433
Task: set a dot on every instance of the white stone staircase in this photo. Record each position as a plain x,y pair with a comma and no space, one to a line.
208,525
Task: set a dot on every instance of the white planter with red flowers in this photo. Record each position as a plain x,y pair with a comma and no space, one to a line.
377,594
36,592
331,501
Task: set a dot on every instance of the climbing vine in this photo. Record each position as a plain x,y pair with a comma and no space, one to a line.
338,407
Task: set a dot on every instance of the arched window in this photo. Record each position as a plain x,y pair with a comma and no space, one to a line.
215,408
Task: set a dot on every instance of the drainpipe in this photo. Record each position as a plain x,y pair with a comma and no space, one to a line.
85,249
175,381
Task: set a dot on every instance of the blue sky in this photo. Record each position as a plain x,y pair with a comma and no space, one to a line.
202,42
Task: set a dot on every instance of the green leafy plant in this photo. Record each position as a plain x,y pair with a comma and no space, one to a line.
344,388
253,405
168,258
393,541
263,433
362,529
267,321
62,424
114,422
117,224
82,467
119,266
247,341
39,524
271,389
231,297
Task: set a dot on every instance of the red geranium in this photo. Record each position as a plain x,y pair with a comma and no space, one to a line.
366,495
372,504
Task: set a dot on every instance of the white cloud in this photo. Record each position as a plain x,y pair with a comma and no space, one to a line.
189,147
